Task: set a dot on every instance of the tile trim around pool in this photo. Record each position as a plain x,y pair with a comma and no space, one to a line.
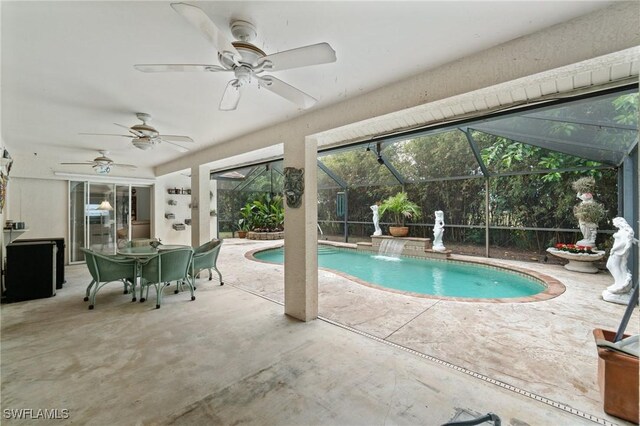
553,287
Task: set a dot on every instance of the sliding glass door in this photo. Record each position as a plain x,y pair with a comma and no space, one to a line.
123,214
100,216
77,220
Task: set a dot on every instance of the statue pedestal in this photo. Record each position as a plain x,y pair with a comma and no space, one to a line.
619,298
578,262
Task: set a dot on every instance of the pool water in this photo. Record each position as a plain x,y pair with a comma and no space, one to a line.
439,278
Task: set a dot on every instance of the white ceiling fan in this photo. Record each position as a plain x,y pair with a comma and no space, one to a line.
101,165
146,137
247,61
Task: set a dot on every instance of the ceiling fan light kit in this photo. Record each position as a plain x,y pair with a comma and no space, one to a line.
101,169
142,143
245,60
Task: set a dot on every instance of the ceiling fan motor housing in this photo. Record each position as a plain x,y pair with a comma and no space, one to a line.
250,56
145,129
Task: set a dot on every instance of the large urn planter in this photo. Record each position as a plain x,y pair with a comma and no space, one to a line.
242,234
399,231
617,379
578,262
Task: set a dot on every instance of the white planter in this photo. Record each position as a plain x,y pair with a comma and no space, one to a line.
578,262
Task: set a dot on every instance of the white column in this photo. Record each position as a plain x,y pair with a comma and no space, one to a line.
300,236
200,228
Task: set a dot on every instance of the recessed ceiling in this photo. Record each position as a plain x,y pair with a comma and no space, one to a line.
67,67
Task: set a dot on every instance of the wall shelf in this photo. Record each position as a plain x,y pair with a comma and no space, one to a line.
12,234
179,191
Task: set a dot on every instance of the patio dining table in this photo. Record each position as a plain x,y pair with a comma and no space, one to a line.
146,251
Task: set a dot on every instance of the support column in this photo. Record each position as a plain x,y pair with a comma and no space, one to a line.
300,237
200,228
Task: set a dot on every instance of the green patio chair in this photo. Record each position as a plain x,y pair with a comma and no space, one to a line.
164,267
204,257
109,268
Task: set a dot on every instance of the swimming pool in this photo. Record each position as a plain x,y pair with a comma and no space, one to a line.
422,276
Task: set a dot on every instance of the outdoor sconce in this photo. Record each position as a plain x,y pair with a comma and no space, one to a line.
293,186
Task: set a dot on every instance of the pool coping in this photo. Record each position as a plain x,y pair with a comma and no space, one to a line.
553,286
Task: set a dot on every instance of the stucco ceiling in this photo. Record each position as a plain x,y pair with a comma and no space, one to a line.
67,67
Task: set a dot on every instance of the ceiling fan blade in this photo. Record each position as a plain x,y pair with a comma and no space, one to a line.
175,146
231,96
178,68
86,163
133,132
202,22
105,134
287,91
314,54
176,138
126,166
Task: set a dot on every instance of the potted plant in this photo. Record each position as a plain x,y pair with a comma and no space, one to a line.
246,221
588,212
401,208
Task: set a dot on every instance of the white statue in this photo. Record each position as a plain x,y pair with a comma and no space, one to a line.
438,230
620,290
376,220
588,228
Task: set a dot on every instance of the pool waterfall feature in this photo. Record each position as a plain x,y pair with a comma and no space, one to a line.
405,246
391,247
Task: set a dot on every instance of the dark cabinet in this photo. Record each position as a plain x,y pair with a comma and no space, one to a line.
59,256
31,270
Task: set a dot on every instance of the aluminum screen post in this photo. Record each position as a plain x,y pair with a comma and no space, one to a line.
486,217
346,215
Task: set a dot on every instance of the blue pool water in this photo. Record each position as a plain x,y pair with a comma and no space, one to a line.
450,279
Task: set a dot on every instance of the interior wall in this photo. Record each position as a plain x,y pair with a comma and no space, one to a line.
163,226
41,204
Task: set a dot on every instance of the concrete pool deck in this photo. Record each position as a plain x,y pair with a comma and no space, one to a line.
544,347
375,357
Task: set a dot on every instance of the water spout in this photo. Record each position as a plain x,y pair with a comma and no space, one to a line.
391,248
